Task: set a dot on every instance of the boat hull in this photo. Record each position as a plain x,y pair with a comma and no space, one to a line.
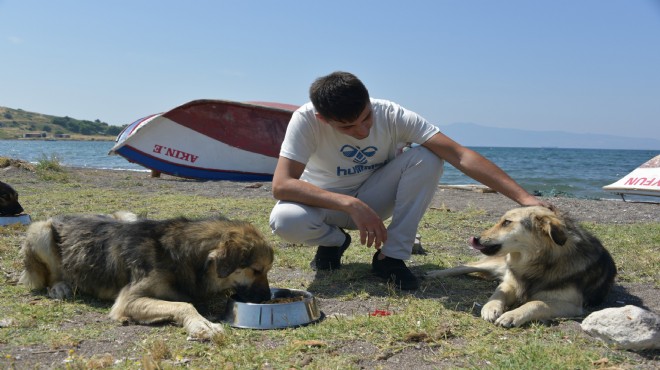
209,139
644,180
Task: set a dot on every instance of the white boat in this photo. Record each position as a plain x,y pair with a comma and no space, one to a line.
209,139
644,180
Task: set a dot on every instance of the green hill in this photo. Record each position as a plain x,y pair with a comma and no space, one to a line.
16,123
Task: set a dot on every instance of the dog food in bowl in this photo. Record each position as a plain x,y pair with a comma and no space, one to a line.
286,308
283,300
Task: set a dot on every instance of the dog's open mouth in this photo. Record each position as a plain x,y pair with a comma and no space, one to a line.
488,250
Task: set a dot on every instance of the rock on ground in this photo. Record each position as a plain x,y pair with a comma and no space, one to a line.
628,327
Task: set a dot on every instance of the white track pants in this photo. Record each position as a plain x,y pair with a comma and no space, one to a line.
402,189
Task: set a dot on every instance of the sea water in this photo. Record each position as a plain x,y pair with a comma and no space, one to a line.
91,154
579,173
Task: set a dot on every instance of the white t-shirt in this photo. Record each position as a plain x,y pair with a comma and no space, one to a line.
338,161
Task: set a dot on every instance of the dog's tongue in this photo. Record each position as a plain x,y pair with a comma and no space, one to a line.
474,242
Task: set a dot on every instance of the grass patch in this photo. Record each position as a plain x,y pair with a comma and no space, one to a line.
50,169
438,325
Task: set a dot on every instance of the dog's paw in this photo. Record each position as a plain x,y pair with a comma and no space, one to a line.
60,290
203,330
491,311
510,319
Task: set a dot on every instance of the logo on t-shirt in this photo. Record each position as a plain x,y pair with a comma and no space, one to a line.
359,155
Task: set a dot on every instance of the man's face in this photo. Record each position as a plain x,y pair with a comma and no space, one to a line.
359,128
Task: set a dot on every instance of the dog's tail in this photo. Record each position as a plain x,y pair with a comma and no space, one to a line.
489,268
41,258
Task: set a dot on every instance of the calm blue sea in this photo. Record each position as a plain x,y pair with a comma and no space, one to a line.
550,171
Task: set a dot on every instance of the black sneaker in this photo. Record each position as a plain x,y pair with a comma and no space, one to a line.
394,271
329,258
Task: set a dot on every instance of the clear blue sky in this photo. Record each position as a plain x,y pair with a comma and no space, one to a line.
586,66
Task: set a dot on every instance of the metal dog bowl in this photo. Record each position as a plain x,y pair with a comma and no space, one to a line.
18,219
303,311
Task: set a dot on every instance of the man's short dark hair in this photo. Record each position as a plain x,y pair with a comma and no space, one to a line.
339,96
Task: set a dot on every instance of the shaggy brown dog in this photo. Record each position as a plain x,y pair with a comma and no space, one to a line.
548,266
9,205
151,269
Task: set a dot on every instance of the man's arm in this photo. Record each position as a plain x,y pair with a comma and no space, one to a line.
481,169
288,186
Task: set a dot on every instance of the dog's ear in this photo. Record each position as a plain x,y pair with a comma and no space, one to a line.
555,229
227,258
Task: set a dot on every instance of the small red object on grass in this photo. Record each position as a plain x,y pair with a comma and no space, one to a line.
380,313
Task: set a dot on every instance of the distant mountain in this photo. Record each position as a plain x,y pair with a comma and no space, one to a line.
472,134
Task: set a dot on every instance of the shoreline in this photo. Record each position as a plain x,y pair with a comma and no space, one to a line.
546,174
493,205
477,188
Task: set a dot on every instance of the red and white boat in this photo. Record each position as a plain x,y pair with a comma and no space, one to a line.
209,139
644,180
